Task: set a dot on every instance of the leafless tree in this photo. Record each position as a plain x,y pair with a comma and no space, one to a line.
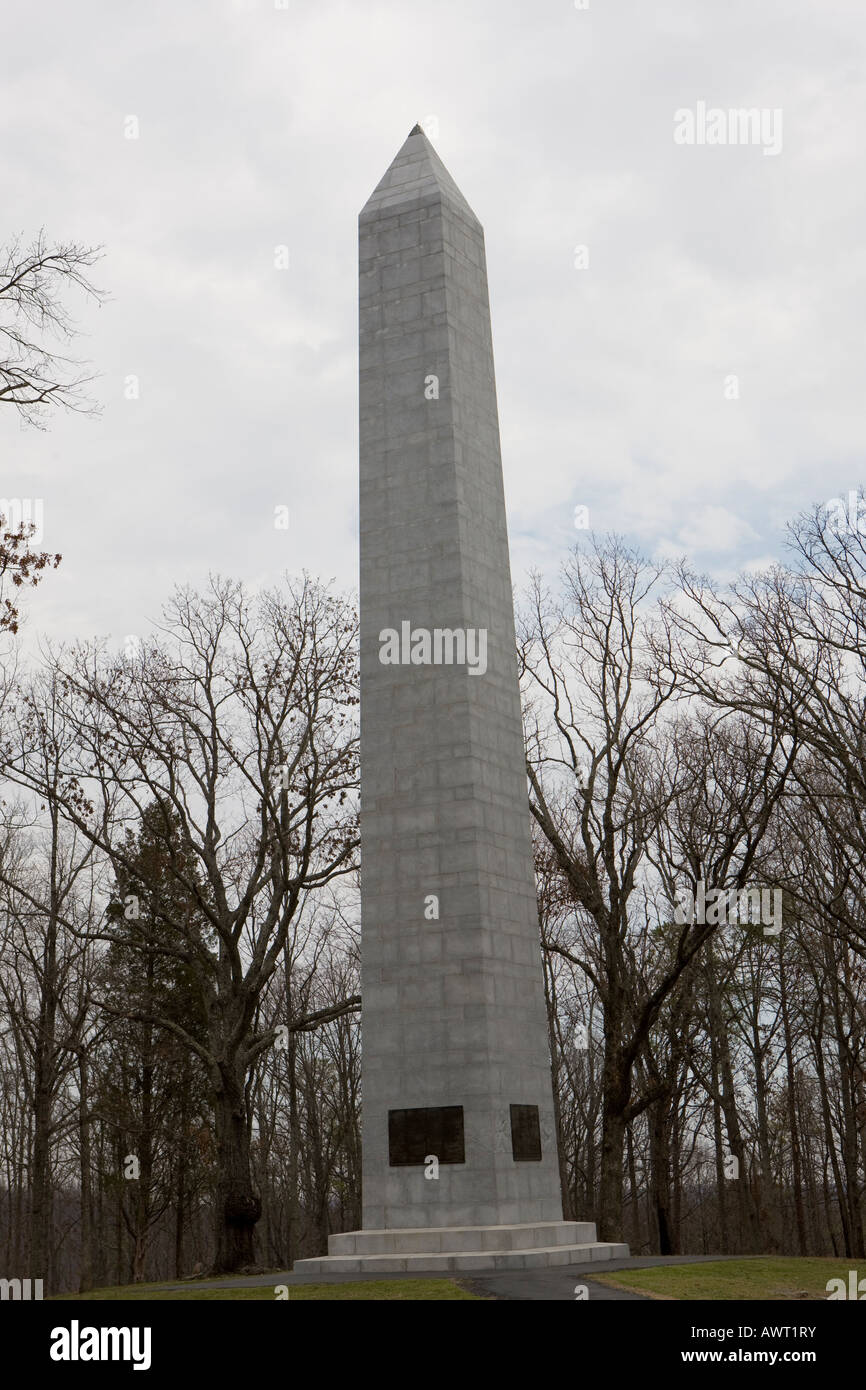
239,720
35,322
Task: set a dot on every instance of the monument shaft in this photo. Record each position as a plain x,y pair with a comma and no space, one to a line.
456,1064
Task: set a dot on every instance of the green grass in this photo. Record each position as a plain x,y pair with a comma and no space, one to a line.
772,1279
437,1290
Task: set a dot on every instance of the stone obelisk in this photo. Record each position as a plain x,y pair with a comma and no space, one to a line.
459,1146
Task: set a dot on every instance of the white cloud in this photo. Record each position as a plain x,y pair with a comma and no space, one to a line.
262,126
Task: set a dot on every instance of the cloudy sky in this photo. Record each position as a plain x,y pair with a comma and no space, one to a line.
696,384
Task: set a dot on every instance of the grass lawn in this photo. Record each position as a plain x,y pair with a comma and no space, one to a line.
436,1290
771,1279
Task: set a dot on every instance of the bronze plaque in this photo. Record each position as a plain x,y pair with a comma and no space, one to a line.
413,1134
525,1134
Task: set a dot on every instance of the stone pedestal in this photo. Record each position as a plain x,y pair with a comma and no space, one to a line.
447,1249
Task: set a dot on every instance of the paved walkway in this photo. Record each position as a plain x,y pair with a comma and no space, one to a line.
555,1284
558,1283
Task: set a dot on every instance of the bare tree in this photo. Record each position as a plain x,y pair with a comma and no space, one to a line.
594,792
240,722
34,373
601,760
46,900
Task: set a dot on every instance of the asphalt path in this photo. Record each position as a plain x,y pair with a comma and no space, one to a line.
555,1284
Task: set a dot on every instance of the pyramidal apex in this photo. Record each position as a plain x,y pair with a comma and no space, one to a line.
416,174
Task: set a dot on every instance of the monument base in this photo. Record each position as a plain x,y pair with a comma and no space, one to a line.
442,1249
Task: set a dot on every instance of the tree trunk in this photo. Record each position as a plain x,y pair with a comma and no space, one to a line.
796,1164
144,1187
615,1099
85,1273
660,1147
635,1202
555,1068
749,1228
724,1238
238,1207
181,1179
765,1187
43,1096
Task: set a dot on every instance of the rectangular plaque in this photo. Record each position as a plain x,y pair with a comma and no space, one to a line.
415,1134
525,1134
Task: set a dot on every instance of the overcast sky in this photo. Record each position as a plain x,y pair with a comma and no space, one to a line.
262,126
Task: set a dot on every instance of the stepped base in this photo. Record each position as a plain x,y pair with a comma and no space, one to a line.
443,1249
